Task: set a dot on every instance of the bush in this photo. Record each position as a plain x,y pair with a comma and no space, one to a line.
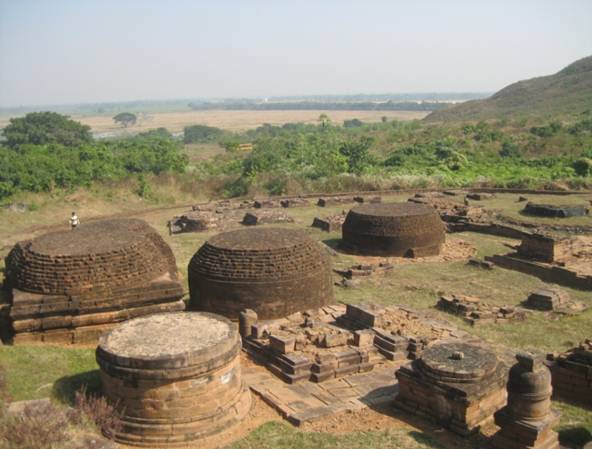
42,128
95,410
509,149
38,427
583,166
201,134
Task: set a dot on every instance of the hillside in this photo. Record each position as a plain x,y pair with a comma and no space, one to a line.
567,92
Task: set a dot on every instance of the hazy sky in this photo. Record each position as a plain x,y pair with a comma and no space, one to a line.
71,51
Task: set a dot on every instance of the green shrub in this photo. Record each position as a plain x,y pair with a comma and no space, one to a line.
583,166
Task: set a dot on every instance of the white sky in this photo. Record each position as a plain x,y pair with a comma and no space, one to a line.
75,51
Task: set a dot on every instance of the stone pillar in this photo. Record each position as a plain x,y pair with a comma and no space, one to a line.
527,421
246,319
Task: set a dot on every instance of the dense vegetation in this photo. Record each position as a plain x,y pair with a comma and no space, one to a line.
293,158
297,157
44,151
568,92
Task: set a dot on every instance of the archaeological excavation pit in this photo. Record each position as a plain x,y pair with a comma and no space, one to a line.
393,229
273,271
70,286
174,377
458,385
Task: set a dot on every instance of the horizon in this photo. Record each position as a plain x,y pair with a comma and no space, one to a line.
79,53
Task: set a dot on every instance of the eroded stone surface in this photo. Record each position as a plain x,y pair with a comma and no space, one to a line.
393,229
273,271
69,286
167,334
175,378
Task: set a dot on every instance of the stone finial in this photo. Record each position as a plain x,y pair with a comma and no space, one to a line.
457,355
529,361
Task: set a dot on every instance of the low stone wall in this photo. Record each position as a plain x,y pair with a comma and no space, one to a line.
548,273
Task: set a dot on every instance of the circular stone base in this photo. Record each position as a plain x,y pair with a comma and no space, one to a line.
393,229
175,378
457,362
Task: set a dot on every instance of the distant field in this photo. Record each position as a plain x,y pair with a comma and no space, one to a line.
231,120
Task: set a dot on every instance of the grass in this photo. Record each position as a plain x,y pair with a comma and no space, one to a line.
276,435
507,205
34,372
566,92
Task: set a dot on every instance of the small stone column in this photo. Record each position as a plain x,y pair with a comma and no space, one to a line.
246,319
527,421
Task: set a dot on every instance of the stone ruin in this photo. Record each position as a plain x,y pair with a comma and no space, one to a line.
337,341
294,202
554,299
556,259
477,196
330,223
547,299
266,217
475,311
527,420
70,286
393,229
572,374
266,203
548,248
456,384
194,222
175,378
274,271
334,200
365,270
548,210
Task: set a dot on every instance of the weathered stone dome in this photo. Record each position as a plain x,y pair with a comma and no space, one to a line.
70,286
98,254
273,271
393,229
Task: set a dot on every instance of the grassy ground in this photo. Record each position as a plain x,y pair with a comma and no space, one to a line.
34,371
283,436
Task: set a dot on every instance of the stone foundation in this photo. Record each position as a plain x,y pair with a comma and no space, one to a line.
176,379
266,217
457,385
572,374
548,210
69,286
475,311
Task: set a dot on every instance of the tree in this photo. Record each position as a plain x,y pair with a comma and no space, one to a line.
352,123
201,133
42,128
125,119
357,154
583,166
324,120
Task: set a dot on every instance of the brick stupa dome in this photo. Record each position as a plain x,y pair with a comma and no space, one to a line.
69,286
393,229
273,271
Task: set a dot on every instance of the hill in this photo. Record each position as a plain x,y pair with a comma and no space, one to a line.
568,92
